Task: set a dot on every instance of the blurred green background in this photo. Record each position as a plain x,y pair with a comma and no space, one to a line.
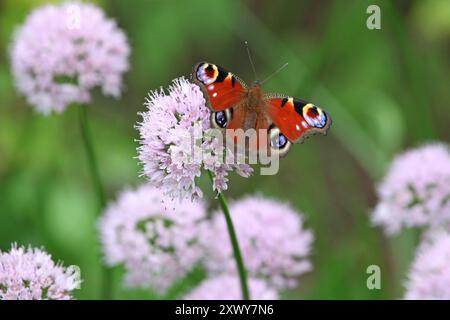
386,90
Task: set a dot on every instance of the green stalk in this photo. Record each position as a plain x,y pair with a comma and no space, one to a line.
235,244
106,292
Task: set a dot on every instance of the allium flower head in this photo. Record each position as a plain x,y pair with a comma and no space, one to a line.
154,238
416,190
429,277
63,51
227,287
30,274
273,242
177,142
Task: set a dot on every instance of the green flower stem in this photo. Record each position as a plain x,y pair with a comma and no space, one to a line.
106,292
235,243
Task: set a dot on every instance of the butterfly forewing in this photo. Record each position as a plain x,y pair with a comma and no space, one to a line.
297,119
222,89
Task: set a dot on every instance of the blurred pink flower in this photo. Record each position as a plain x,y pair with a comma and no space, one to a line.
273,242
429,277
156,239
30,274
227,287
416,190
63,51
177,143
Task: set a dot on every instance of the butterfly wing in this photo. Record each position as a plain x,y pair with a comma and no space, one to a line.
265,132
221,88
296,119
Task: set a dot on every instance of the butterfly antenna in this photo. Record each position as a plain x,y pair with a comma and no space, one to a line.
251,60
279,69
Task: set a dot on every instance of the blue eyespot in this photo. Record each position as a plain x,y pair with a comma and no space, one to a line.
279,142
221,119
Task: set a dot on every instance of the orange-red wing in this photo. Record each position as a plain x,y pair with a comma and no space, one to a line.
262,125
237,119
297,119
222,89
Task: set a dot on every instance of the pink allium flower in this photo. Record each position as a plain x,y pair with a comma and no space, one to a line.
63,51
273,242
30,274
177,142
154,238
416,190
429,277
227,287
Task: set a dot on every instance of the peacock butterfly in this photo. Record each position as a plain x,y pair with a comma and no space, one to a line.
286,119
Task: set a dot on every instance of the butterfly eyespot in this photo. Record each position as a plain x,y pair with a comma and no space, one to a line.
207,73
220,119
279,144
314,116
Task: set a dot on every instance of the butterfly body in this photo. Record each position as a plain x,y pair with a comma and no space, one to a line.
250,109
235,106
254,97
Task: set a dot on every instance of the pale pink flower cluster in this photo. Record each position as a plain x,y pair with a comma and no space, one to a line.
227,287
177,143
416,193
31,274
159,240
274,244
63,51
156,239
429,277
416,190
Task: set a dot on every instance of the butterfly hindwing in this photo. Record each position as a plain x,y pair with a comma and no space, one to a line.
222,89
297,119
